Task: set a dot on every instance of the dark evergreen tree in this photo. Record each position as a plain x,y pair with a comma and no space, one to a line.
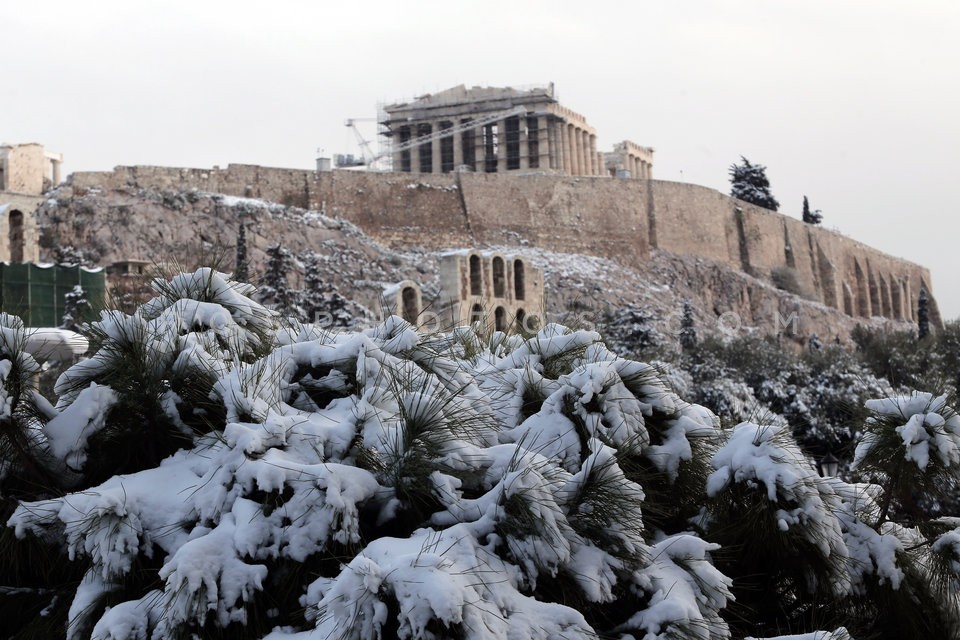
629,331
688,331
242,271
749,183
811,217
321,302
71,256
923,315
276,290
74,305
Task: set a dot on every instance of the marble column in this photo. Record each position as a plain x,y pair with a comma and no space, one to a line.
435,148
458,158
585,153
543,146
524,143
594,165
565,148
574,136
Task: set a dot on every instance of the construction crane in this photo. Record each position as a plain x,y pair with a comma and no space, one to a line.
371,159
366,151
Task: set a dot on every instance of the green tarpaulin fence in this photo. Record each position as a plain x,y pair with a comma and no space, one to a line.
37,293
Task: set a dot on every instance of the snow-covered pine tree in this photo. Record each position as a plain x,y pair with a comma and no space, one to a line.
391,484
70,255
276,290
749,183
923,315
688,330
811,217
629,331
75,303
241,272
321,301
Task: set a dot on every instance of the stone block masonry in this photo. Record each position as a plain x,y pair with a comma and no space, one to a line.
618,219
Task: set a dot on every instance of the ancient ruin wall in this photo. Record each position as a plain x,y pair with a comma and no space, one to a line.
620,219
25,169
597,216
828,267
690,220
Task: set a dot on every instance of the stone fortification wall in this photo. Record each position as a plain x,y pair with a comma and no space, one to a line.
618,219
826,266
597,216
398,209
690,220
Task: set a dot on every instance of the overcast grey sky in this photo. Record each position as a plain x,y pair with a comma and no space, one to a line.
855,104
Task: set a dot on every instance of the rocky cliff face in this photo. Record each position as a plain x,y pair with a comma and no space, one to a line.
192,228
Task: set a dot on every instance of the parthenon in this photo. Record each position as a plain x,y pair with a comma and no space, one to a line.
502,129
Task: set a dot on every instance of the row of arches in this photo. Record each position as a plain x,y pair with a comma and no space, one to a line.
498,271
873,294
502,321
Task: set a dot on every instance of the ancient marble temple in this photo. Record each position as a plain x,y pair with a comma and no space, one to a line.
502,129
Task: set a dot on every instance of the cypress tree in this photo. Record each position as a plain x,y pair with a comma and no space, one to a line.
241,273
688,332
811,217
923,315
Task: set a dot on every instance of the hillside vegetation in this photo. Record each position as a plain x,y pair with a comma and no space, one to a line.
214,471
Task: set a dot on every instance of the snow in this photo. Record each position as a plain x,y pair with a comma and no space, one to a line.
927,427
533,496
68,432
766,458
451,487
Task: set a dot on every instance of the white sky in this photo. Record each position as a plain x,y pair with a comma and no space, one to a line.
854,103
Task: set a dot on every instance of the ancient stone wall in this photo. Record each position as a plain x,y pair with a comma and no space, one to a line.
24,169
18,228
597,216
397,209
690,220
619,219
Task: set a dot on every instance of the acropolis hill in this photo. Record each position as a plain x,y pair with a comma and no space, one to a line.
510,170
619,219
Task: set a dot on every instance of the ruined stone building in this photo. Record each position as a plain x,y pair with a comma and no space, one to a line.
26,171
503,293
497,291
502,129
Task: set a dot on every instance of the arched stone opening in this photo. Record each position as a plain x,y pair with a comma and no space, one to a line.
886,309
476,277
500,319
876,302
410,306
15,235
518,280
499,278
896,300
847,300
862,293
476,314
